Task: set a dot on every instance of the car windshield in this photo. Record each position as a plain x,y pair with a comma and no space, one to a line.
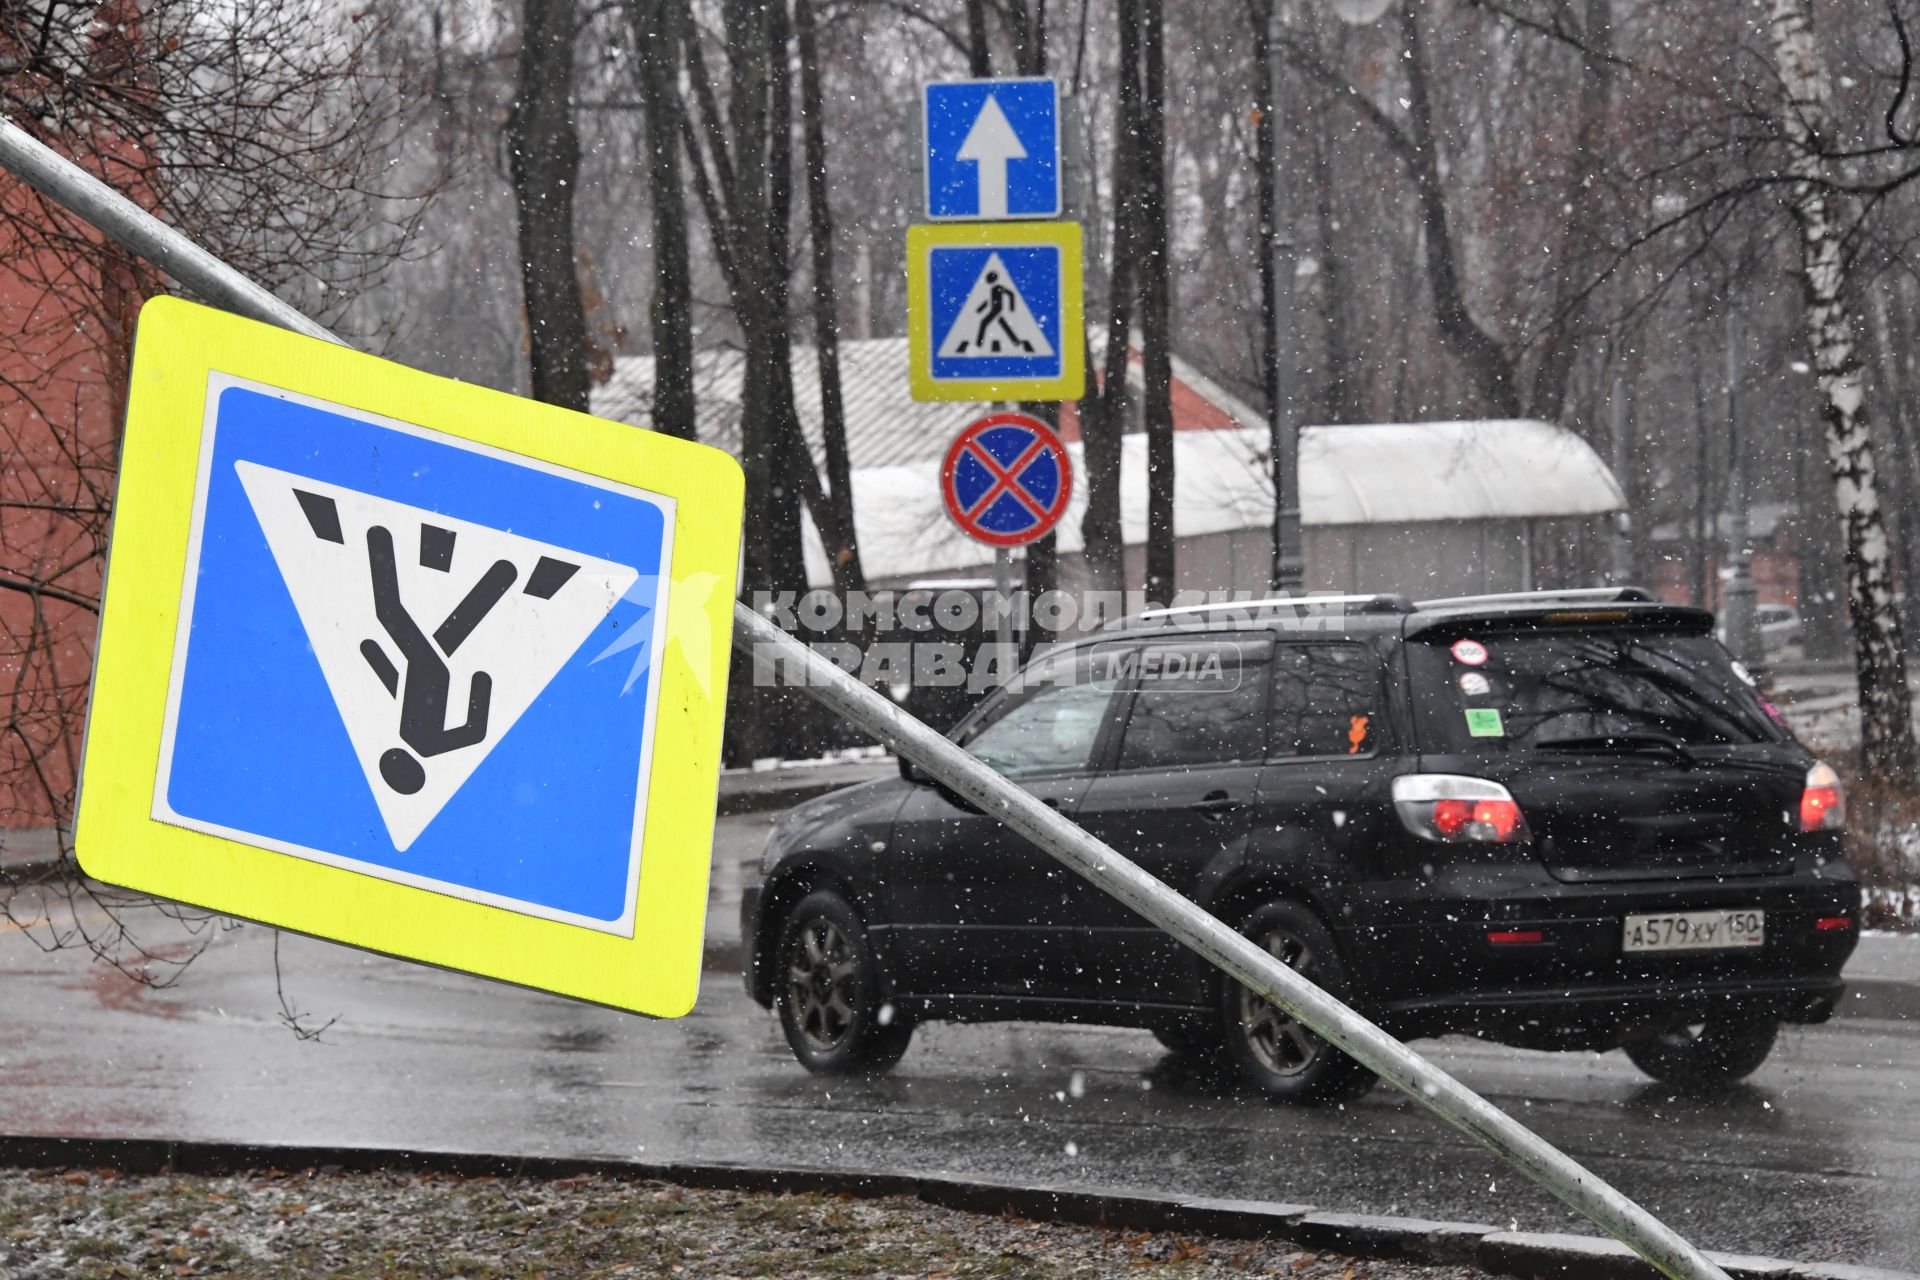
1047,722
1622,689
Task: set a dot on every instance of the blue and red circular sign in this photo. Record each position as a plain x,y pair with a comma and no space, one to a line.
1006,480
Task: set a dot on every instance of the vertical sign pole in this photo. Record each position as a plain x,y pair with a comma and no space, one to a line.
1003,587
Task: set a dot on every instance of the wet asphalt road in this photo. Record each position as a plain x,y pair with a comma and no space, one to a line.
1818,1158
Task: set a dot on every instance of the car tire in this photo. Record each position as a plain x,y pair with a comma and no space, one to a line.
1267,1048
827,991
1705,1056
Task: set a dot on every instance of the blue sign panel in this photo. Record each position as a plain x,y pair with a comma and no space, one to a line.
995,311
992,149
423,659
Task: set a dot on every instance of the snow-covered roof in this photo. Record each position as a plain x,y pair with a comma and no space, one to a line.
1494,469
884,424
1393,473
1221,485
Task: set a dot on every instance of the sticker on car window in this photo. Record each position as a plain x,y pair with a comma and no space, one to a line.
1475,685
1471,652
1484,722
1356,733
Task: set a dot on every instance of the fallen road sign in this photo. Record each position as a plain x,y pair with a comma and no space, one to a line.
994,311
410,664
1006,480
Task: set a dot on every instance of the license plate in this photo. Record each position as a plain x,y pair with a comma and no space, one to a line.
1695,930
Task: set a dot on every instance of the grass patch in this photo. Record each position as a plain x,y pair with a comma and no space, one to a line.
279,1226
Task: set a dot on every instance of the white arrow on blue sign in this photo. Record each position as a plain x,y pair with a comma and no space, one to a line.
992,149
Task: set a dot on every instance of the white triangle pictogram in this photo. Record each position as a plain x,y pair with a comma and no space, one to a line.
995,321
434,635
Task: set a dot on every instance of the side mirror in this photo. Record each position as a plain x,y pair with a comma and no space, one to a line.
921,778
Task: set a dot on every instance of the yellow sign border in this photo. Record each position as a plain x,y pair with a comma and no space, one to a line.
922,239
178,347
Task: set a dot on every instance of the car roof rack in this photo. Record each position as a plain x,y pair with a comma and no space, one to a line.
1580,595
1371,602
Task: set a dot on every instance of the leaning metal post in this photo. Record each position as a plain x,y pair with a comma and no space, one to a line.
143,234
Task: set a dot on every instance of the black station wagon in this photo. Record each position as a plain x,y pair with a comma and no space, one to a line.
1557,821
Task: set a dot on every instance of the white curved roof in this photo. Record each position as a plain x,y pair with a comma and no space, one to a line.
1393,474
1494,469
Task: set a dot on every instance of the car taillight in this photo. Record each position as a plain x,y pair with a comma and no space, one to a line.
1822,807
1453,809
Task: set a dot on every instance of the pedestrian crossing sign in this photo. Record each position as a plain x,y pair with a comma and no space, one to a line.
410,664
994,311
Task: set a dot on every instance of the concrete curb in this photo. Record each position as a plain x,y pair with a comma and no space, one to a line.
1525,1255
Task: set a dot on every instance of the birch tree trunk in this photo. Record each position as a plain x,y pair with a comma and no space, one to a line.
1885,710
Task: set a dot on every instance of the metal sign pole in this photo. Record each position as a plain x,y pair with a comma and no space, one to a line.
1003,587
1087,856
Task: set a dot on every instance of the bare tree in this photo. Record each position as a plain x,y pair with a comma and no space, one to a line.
1103,421
264,131
656,38
544,149
1886,709
836,522
1156,297
742,172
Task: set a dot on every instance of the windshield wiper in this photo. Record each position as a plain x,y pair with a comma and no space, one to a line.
1620,742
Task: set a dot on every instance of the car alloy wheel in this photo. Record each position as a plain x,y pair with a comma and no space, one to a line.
1275,1037
1268,1047
828,996
820,971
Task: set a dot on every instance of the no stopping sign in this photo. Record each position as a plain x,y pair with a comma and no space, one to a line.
1006,480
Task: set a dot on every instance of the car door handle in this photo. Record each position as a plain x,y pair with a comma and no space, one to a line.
1215,805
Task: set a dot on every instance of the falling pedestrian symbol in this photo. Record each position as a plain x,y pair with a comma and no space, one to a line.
424,687
408,612
994,320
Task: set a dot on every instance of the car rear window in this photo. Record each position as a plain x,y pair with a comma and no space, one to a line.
1326,700
1526,690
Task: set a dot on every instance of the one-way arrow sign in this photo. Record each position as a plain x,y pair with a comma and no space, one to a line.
990,143
992,149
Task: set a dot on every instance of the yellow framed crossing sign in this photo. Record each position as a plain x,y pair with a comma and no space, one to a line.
994,311
411,664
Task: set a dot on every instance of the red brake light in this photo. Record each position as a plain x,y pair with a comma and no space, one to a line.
1453,809
1826,924
1822,805
1510,937
1490,820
